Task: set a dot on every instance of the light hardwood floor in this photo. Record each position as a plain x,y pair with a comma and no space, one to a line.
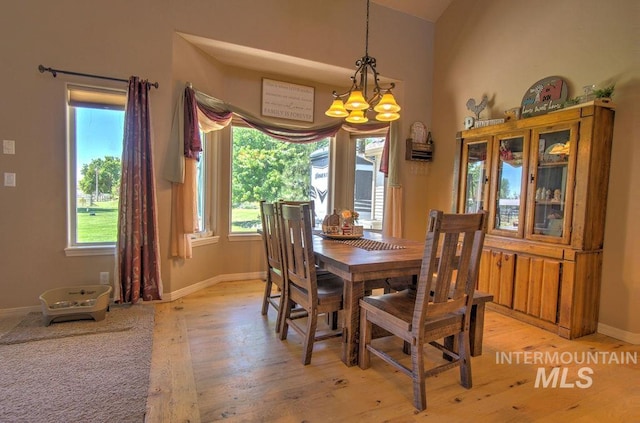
216,358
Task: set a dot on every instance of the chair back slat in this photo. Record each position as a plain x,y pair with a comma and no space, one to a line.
298,247
446,267
450,264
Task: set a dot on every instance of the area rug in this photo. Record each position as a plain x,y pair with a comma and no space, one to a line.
80,375
33,328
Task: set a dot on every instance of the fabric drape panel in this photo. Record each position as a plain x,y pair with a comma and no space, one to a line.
138,248
392,224
192,141
184,208
384,160
184,197
174,164
181,167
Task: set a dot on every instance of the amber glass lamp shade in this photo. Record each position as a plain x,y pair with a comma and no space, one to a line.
337,109
356,101
357,116
387,116
387,104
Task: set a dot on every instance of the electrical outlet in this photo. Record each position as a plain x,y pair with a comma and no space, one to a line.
104,278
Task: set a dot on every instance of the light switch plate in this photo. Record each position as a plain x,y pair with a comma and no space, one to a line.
8,147
9,179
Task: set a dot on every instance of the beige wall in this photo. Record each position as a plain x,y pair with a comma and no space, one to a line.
500,48
121,38
491,47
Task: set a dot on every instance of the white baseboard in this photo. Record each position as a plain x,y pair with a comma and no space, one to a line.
172,296
623,335
166,297
18,311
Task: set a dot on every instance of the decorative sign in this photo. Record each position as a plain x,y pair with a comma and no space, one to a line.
544,96
287,101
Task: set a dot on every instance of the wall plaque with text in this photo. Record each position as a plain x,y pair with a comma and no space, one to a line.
287,101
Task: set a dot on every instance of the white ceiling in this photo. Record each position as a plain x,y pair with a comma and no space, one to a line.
275,63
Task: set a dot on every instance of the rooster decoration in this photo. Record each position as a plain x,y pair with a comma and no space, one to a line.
476,109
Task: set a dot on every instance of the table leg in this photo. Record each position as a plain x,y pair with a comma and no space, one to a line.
353,292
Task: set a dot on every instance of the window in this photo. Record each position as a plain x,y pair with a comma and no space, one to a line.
270,169
95,138
368,192
205,192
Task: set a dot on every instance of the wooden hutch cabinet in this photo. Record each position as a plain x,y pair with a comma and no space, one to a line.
543,180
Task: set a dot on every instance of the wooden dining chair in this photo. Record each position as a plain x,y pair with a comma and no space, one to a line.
274,283
439,307
320,273
302,286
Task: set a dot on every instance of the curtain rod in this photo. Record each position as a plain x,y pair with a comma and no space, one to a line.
55,73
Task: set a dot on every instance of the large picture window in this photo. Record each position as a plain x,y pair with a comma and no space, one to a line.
368,198
96,126
270,169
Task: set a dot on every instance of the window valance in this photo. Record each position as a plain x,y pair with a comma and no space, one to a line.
201,112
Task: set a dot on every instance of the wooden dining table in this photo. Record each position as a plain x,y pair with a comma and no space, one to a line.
373,257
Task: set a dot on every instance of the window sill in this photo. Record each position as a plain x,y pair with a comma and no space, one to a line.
245,237
207,240
90,250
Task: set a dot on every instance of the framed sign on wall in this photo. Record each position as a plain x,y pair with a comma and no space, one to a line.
287,101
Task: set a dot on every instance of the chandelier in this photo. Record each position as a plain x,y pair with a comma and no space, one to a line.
359,102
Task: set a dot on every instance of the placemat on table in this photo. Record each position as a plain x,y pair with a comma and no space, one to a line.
371,244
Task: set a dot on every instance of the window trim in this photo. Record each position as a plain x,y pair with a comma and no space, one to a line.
211,159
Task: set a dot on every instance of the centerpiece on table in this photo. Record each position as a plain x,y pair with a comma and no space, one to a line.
343,223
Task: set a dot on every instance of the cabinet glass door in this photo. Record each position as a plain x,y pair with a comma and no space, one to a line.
551,180
509,190
475,176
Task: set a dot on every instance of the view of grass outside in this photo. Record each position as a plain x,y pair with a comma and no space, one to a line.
246,218
98,222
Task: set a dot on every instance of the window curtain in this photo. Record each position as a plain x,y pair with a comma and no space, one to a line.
214,114
137,248
391,154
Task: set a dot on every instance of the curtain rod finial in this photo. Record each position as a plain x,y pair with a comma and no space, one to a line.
42,69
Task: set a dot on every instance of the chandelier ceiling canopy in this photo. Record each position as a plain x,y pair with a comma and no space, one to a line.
358,99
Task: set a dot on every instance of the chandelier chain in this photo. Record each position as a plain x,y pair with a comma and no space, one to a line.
366,39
